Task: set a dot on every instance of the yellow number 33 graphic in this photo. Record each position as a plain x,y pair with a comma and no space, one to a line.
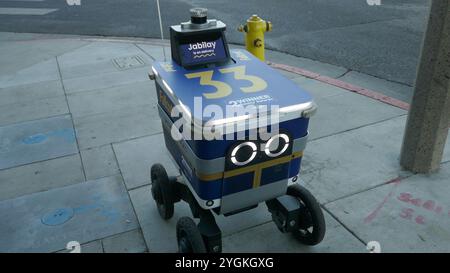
222,88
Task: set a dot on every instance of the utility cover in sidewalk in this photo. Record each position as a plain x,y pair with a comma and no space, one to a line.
47,221
128,62
37,140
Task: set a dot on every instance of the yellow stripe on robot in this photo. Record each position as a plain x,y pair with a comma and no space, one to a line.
257,168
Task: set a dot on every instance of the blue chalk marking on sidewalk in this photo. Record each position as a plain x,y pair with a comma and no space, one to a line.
35,139
57,217
61,215
108,212
68,134
85,208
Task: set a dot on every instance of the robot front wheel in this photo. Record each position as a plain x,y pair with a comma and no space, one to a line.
189,238
192,238
311,226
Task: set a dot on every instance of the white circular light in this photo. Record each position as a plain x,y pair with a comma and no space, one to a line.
235,150
267,146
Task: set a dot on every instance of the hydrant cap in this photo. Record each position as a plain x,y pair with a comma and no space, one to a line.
255,18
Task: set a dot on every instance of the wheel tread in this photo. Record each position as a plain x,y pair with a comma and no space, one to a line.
187,227
315,210
161,187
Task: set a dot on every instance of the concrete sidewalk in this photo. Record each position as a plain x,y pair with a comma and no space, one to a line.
79,130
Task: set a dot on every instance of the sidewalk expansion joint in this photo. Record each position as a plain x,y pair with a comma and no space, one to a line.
344,225
71,50
35,119
247,228
392,181
146,183
345,73
40,161
356,128
128,193
128,139
71,117
145,52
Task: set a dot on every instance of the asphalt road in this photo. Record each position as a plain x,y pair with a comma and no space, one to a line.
383,41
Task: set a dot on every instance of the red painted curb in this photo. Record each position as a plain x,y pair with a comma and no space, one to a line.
344,85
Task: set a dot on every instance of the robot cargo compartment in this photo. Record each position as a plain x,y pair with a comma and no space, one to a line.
205,149
232,177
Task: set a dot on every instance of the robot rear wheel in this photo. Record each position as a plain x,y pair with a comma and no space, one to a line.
162,191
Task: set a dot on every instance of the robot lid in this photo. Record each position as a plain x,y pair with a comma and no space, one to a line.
245,81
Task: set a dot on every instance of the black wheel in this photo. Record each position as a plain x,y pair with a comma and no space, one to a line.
189,238
312,223
162,191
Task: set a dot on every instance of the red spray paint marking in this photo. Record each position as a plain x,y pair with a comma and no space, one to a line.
438,210
420,220
429,205
344,85
408,213
396,181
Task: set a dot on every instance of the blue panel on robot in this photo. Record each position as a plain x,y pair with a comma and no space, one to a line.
203,51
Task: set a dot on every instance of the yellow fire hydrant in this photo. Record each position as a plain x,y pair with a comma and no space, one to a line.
254,35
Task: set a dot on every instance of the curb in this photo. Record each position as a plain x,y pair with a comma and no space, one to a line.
344,85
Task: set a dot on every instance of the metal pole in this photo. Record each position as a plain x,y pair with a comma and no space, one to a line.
429,116
161,28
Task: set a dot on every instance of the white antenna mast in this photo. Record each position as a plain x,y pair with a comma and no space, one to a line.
161,29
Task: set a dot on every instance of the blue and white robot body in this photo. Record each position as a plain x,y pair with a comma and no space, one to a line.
235,170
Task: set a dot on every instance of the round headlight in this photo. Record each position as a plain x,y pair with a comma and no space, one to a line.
275,148
243,153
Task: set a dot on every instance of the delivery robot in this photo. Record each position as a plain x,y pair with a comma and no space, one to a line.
222,170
